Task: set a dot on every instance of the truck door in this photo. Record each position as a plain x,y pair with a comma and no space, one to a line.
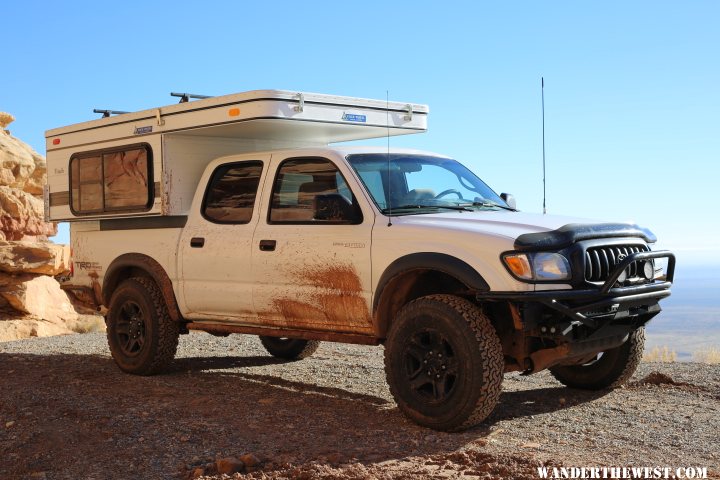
311,249
216,268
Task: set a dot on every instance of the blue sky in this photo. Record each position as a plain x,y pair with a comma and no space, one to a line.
632,88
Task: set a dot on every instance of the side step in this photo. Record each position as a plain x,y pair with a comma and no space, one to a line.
284,332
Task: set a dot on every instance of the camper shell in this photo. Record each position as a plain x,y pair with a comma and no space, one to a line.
157,156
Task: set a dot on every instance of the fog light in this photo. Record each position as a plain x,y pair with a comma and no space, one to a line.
648,270
623,276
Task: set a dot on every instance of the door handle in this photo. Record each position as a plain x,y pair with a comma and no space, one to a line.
197,242
267,245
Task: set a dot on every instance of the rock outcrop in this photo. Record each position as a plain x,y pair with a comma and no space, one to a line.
31,300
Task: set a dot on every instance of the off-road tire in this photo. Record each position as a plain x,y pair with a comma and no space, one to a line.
612,369
138,311
470,369
289,348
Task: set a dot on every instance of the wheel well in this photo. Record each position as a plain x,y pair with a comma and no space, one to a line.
410,285
138,265
119,275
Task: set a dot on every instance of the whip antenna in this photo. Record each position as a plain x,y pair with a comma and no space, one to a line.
542,93
387,125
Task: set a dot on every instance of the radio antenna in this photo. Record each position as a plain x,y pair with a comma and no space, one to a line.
542,93
387,125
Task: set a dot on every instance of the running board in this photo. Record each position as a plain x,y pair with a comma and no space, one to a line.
284,332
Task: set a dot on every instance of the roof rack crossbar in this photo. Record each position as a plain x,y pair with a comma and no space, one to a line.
185,97
107,113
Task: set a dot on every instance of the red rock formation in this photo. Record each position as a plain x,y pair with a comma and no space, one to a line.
31,300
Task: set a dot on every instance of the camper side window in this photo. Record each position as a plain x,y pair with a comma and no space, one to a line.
230,196
111,180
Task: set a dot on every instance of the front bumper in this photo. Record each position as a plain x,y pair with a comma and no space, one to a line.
567,326
586,304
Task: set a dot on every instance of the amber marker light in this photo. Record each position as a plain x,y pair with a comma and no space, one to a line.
519,266
234,112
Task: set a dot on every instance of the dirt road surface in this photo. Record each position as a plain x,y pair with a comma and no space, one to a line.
66,412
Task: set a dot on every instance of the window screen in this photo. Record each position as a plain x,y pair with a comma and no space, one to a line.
111,180
230,197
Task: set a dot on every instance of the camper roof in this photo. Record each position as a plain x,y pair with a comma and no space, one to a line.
259,114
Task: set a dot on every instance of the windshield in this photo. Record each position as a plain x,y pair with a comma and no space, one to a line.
403,184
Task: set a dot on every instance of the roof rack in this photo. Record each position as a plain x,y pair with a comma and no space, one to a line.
107,113
185,97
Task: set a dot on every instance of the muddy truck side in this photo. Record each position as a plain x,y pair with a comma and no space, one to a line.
233,215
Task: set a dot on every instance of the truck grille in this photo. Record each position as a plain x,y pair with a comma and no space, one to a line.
601,261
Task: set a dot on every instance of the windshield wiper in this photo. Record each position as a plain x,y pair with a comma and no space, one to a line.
419,206
490,204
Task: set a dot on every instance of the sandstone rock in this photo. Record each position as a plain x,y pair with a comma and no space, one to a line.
18,161
229,465
19,329
31,301
5,119
249,460
22,214
39,296
34,257
37,180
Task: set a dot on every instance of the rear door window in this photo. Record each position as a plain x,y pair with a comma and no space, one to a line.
230,196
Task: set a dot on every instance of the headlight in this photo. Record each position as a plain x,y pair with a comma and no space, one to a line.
540,266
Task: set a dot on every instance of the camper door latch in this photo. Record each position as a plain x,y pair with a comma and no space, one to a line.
409,112
301,102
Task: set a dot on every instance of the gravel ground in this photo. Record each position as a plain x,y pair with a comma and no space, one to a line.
66,412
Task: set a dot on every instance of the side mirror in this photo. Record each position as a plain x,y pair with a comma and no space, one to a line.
333,207
509,199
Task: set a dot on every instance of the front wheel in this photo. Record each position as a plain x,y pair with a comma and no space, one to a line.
142,337
444,363
289,348
609,369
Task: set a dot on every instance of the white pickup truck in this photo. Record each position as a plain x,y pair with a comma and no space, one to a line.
233,214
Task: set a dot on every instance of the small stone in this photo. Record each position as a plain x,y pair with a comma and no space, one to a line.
9,424
249,460
198,472
229,465
185,438
562,401
335,458
210,468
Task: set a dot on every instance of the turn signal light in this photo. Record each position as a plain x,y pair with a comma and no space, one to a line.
519,265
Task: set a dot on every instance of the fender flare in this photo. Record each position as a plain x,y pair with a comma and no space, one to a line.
150,266
430,261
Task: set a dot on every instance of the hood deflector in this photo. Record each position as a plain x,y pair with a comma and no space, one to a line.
575,232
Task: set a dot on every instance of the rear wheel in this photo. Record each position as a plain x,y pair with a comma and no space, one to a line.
289,348
609,369
142,337
444,363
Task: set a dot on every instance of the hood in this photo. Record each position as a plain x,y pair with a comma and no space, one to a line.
528,231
